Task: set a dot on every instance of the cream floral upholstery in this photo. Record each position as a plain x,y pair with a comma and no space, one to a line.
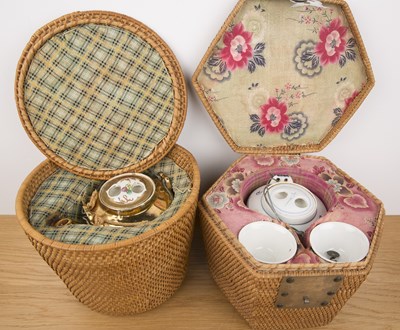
282,74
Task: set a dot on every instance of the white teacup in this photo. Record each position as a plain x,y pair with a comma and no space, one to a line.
268,242
339,242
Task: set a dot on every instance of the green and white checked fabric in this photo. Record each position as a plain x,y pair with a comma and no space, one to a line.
59,197
99,97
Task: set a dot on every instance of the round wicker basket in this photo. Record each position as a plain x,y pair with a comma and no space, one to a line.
139,273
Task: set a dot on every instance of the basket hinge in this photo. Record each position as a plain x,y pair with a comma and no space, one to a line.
306,292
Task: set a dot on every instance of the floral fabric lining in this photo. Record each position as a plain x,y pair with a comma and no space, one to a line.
345,200
286,72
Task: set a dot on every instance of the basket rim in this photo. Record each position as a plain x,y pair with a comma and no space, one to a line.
271,270
289,149
35,235
145,33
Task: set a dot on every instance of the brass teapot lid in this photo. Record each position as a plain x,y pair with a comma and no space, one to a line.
131,193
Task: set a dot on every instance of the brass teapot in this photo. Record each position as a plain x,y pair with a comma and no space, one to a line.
125,200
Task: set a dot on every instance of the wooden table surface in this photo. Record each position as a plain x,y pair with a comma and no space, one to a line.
32,296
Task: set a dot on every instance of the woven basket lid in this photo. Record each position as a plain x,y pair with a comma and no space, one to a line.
284,76
100,94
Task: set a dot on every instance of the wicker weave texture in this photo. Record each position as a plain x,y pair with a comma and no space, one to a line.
100,94
253,293
250,286
239,139
126,277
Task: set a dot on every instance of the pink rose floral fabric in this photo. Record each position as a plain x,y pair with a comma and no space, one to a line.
273,116
280,75
350,99
333,43
335,46
238,50
345,200
339,112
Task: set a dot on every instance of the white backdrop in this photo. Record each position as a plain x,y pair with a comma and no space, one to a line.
367,148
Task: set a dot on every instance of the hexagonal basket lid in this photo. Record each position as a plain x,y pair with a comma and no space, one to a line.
100,94
284,76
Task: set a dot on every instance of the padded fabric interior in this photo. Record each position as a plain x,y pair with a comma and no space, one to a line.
99,97
286,71
345,199
60,194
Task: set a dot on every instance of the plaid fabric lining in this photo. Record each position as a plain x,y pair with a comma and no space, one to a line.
99,97
59,197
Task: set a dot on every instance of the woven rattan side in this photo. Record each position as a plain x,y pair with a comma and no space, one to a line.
232,277
253,288
125,277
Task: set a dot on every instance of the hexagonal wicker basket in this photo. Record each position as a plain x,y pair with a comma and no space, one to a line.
280,79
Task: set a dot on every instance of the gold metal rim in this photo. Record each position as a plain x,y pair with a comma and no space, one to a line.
130,208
